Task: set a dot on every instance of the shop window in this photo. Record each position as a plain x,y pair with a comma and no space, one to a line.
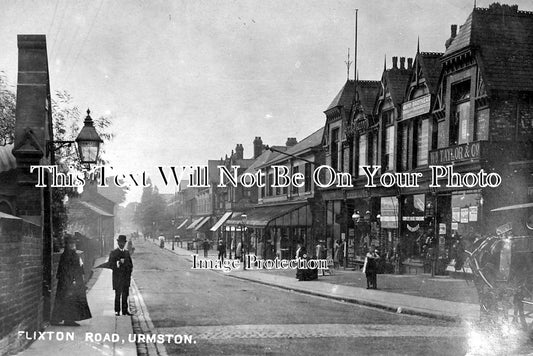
373,147
308,177
421,139
465,212
334,149
363,161
460,113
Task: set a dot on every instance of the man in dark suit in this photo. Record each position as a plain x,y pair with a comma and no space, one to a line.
122,266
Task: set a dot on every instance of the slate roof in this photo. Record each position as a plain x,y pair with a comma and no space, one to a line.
397,81
368,90
502,39
344,97
431,68
313,140
264,157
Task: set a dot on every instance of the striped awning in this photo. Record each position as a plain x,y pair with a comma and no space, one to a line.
194,223
183,223
221,221
202,223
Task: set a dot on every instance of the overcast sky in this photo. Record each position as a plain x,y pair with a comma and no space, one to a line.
185,81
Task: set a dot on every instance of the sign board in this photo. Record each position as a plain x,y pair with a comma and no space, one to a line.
442,229
472,213
458,153
464,215
416,107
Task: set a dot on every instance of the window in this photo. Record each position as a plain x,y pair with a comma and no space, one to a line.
373,146
334,149
460,113
362,153
403,146
295,170
308,177
421,138
388,159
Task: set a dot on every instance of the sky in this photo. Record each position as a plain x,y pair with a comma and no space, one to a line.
184,81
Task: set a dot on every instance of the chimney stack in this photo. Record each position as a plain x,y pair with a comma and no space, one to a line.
402,62
394,62
239,151
291,141
409,63
258,146
454,31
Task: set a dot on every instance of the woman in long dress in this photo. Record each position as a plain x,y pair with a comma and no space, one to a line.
71,301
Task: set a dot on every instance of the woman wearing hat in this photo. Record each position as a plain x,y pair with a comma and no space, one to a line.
71,301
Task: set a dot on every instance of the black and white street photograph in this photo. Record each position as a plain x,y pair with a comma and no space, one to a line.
247,177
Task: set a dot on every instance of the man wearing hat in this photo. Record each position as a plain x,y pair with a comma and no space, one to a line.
122,266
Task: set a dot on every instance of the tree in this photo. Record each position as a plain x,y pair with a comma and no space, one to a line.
7,111
67,122
152,212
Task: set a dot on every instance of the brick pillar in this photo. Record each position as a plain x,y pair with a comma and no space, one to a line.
33,129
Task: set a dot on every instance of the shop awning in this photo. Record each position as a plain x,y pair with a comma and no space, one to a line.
183,223
262,216
202,223
514,207
194,223
221,221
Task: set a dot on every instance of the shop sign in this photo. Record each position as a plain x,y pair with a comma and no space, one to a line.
412,218
472,213
458,153
442,229
456,214
464,215
416,107
455,226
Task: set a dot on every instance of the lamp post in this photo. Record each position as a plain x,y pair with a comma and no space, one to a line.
243,226
356,217
173,236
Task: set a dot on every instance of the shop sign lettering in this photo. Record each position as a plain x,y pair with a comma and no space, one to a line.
416,107
455,153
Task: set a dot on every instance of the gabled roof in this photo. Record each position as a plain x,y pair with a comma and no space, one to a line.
502,39
367,91
397,81
431,68
344,97
313,140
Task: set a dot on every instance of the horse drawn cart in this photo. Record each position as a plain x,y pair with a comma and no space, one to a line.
502,265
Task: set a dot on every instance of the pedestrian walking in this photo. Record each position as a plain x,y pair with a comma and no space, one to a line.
122,266
206,246
370,268
161,239
321,254
221,250
71,300
238,251
337,254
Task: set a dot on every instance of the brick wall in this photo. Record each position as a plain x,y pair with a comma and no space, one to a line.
21,300
506,114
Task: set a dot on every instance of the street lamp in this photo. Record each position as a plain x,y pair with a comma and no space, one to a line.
243,226
88,142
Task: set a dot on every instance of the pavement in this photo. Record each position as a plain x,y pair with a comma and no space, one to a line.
92,336
440,297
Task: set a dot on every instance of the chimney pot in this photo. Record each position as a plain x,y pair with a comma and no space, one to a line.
291,141
454,31
402,62
395,62
258,146
409,63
